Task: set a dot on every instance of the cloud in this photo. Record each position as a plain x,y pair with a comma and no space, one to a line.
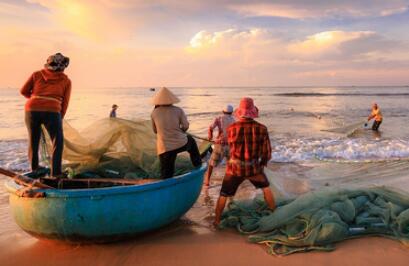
176,43
243,45
273,10
296,9
257,56
277,8
330,44
261,45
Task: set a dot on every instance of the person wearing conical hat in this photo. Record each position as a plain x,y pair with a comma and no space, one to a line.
48,93
221,149
250,152
170,124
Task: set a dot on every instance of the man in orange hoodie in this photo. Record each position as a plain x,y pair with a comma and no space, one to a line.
48,93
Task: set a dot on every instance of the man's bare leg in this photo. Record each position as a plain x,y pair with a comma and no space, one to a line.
208,175
269,198
221,203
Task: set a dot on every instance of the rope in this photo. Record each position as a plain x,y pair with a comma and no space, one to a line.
201,138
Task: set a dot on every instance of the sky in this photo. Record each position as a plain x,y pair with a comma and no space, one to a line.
208,43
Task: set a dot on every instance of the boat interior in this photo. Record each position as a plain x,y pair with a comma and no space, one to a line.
86,181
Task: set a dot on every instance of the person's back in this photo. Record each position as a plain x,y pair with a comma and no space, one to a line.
170,123
250,151
47,91
220,148
249,147
224,121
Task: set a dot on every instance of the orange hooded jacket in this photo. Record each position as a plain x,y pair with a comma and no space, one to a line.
47,91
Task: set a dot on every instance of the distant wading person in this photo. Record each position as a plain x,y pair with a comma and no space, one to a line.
112,114
170,123
221,149
250,151
376,114
48,93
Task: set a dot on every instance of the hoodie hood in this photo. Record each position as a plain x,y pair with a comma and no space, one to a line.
49,75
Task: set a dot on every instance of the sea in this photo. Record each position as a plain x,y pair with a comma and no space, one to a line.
298,120
296,117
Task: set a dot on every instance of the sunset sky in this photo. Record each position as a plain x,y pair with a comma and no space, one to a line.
208,43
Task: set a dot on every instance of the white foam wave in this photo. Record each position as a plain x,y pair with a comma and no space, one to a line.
356,150
13,155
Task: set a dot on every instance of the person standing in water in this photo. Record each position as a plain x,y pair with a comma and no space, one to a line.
112,114
221,149
170,124
376,114
48,92
250,152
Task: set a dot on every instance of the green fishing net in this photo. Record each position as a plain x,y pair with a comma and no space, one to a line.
347,129
316,219
118,148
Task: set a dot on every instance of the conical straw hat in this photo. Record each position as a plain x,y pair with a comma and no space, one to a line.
164,97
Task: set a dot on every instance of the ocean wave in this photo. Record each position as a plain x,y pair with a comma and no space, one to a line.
13,154
209,114
339,150
318,94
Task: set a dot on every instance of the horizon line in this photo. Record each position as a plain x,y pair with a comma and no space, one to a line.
229,86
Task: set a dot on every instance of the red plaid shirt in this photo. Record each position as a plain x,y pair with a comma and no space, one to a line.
250,148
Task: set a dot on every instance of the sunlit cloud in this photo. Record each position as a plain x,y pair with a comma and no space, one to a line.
328,43
319,9
240,44
330,56
207,43
272,10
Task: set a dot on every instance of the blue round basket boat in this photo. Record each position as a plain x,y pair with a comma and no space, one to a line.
105,214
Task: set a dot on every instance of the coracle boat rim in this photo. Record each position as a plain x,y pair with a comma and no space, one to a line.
13,187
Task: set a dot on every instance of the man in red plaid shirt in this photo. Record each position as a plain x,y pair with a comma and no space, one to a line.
250,151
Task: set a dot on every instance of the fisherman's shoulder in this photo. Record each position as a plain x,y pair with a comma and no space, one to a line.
260,125
176,109
235,124
36,74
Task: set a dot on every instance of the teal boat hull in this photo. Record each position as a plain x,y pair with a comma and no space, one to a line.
105,214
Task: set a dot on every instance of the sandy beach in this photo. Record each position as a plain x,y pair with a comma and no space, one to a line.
181,244
189,241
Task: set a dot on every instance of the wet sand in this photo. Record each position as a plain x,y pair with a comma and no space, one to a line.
189,241
192,245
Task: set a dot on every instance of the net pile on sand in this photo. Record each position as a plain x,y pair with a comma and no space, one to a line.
115,148
317,219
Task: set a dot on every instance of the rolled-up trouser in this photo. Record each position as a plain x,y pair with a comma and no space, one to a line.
168,159
376,124
53,123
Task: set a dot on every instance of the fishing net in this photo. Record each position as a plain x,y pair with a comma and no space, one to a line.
347,129
314,219
116,148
